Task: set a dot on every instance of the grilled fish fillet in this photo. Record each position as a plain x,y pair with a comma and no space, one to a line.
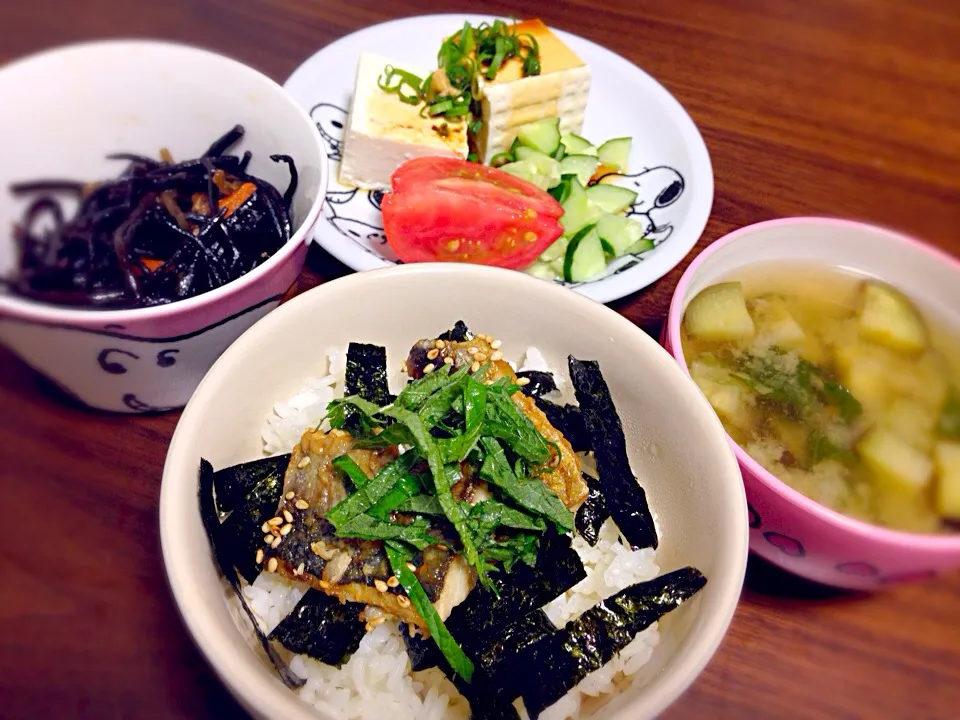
564,476
352,569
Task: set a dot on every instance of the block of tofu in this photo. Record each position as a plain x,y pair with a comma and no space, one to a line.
383,132
511,100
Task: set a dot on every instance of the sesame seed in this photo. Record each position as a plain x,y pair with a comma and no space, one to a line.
268,539
259,555
304,461
392,581
403,601
265,527
439,344
380,585
276,542
290,495
301,504
411,567
432,355
428,368
272,565
496,344
472,350
448,361
497,355
482,357
288,516
475,366
299,569
285,530
274,521
523,381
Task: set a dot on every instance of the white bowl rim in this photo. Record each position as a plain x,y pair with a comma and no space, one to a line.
267,696
46,313
922,542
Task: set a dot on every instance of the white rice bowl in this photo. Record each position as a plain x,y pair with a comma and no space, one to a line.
377,681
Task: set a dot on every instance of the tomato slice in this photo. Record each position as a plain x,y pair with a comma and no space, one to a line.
463,176
450,210
430,225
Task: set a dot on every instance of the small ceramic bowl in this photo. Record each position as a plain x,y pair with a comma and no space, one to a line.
72,106
676,445
787,528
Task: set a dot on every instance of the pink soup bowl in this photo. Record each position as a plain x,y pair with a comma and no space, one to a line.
787,528
77,104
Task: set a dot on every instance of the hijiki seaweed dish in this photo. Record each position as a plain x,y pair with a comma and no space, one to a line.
486,548
162,231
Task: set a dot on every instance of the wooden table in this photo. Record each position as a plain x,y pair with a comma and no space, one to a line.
835,107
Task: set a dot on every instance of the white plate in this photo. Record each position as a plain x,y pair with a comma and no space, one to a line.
669,163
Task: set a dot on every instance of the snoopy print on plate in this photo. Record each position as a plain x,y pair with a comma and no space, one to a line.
669,166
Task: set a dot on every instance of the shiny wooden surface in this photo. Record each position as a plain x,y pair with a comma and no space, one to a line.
833,107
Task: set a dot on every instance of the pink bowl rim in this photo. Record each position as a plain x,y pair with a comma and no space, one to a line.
875,533
42,312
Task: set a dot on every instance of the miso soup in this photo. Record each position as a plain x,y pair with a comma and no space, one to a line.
837,384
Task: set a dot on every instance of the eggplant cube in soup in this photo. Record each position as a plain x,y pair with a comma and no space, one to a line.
888,318
719,312
947,454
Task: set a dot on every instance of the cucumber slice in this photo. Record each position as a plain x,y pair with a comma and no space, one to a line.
719,312
555,250
611,198
527,170
541,270
543,135
620,233
583,166
561,191
640,246
584,257
545,165
576,145
615,153
578,211
887,317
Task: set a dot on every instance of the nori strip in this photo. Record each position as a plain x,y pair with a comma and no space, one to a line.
366,376
458,333
423,652
479,620
625,498
232,484
241,533
556,663
211,523
540,383
366,373
322,627
568,420
592,513
498,662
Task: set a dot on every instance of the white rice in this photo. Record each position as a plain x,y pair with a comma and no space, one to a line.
377,680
